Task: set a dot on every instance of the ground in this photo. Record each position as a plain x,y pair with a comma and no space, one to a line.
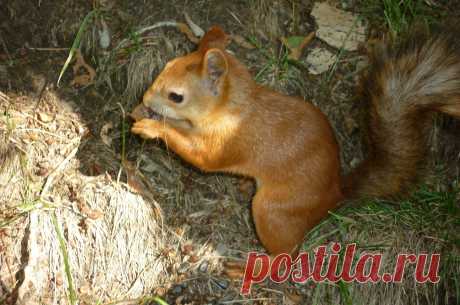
91,214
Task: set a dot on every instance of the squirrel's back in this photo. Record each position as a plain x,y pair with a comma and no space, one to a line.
406,82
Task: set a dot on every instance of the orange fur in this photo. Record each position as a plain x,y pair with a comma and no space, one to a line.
225,122
228,123
407,81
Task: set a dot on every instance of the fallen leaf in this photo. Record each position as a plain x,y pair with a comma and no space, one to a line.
82,79
296,44
292,299
187,249
87,211
184,28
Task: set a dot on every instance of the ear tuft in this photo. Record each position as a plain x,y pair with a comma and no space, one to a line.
214,38
215,64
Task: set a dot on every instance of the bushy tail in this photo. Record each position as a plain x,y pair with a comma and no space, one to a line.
407,81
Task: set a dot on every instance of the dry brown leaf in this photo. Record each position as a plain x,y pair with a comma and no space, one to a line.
292,299
83,79
296,46
184,28
187,249
87,211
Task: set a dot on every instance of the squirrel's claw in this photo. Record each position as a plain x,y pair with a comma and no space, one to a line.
147,129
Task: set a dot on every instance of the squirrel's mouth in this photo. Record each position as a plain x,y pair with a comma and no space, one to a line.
154,115
144,112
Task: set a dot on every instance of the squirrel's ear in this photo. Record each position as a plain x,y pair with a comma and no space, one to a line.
214,38
215,66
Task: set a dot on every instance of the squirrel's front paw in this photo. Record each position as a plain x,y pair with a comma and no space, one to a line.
147,129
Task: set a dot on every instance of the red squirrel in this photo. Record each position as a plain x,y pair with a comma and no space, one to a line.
208,109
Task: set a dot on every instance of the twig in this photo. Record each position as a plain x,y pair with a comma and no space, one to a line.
56,171
152,27
4,97
40,96
5,48
235,17
197,31
49,49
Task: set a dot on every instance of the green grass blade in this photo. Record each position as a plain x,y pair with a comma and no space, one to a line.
160,301
72,295
148,300
76,43
345,293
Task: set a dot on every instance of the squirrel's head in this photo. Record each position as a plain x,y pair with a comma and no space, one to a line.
191,87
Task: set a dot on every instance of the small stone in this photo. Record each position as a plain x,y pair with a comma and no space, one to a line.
183,268
104,35
221,249
354,162
177,289
221,283
203,267
338,28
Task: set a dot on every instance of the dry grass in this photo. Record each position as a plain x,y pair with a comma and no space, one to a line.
103,222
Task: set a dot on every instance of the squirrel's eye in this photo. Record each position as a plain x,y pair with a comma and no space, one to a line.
176,98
